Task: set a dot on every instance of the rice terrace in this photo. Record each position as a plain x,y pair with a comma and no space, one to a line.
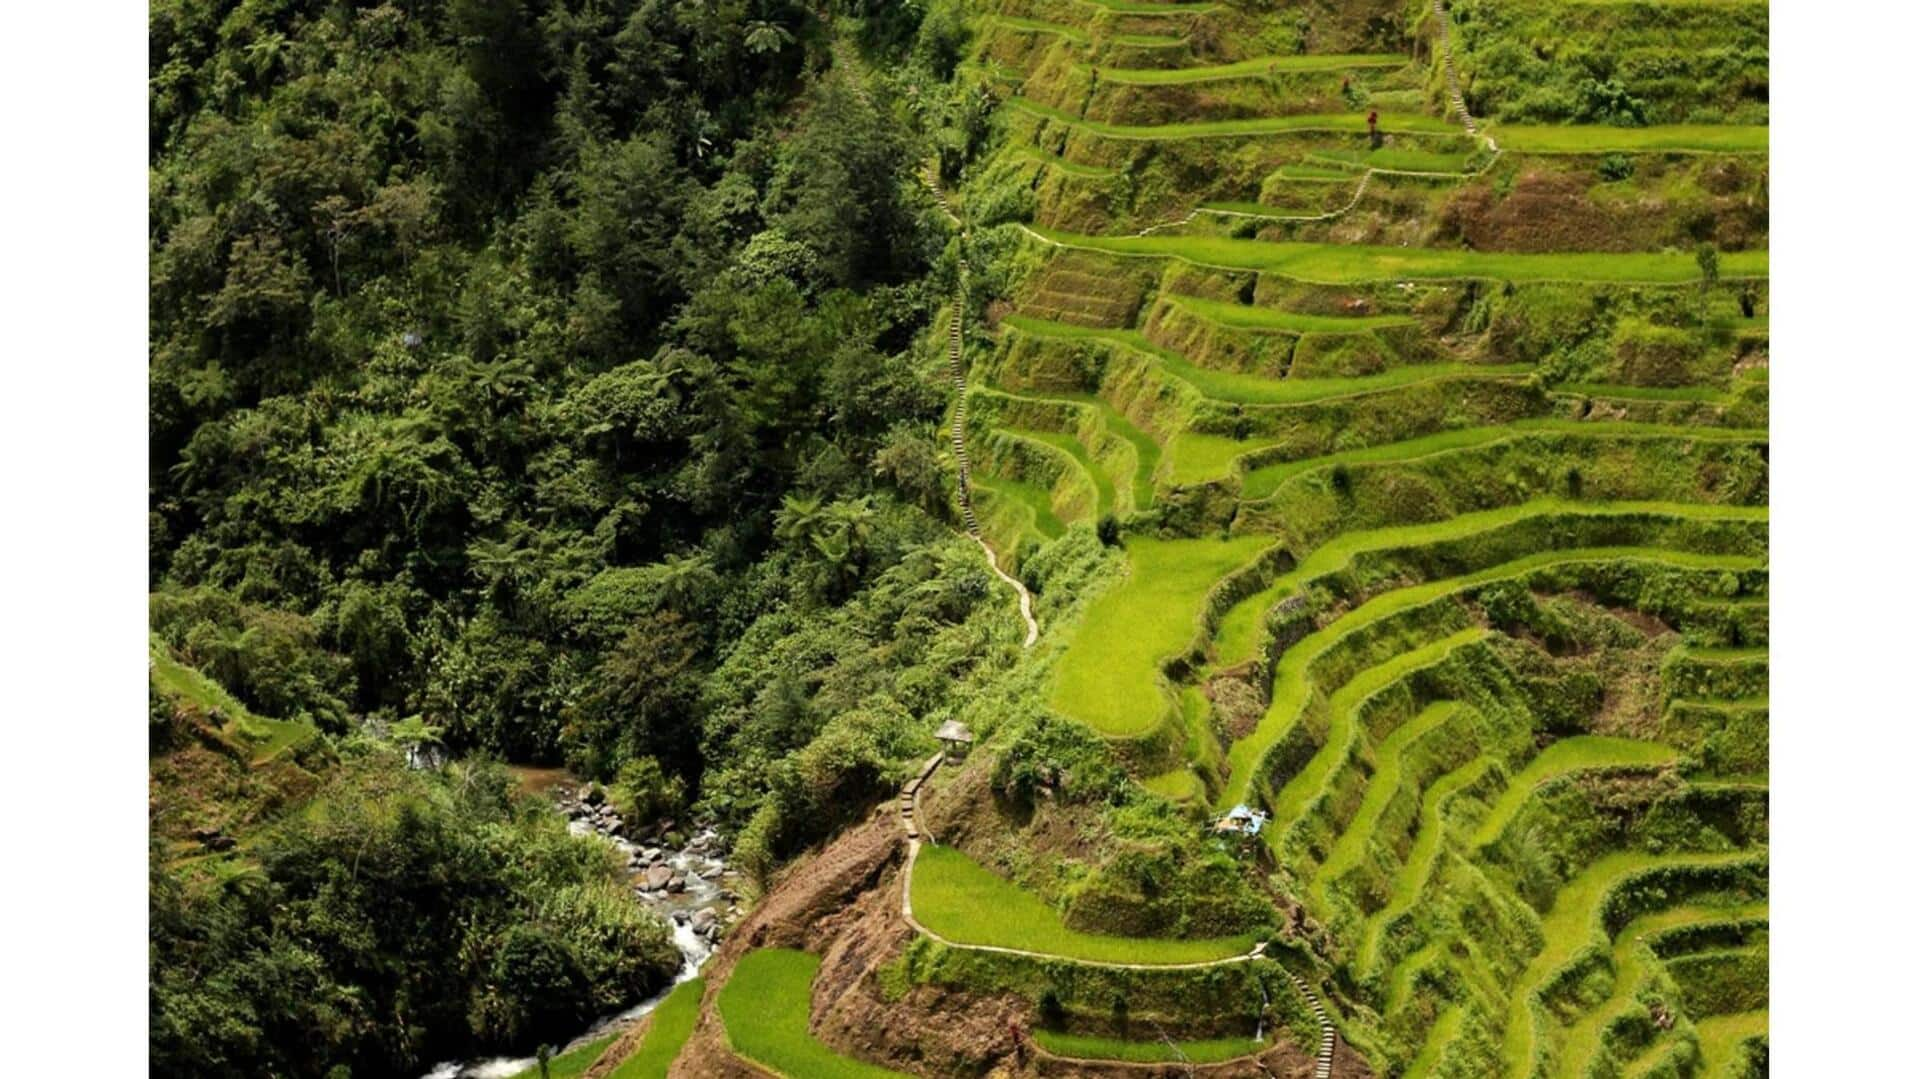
1272,581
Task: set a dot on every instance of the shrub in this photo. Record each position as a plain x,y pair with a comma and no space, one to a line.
642,791
1615,167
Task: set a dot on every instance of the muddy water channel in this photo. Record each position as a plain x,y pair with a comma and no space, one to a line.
690,885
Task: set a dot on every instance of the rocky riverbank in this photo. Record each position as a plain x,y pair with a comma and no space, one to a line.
679,875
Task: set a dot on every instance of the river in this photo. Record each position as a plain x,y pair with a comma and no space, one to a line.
695,880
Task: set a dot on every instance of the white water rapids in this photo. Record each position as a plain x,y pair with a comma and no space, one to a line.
703,890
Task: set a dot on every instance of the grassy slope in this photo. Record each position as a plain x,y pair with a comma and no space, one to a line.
1146,450
1518,138
1262,482
765,1007
1248,317
1571,926
1382,785
1258,66
673,1023
1240,388
1292,687
1310,783
968,904
1632,961
265,738
1095,1047
1581,753
1411,880
1240,626
1331,263
1109,677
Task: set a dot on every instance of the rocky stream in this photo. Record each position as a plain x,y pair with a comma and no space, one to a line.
690,885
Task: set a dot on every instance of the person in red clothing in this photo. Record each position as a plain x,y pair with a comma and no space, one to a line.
1373,128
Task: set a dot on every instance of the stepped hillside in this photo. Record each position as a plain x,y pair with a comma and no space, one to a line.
1428,479
1272,581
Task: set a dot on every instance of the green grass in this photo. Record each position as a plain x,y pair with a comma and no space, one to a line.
1411,879
1244,317
1395,160
1310,784
1069,445
964,902
1262,482
1139,7
1603,138
1292,686
1721,1037
1109,677
1411,123
1090,172
1035,26
1569,928
1240,627
765,1008
264,738
1382,785
1257,209
1445,1030
1581,753
1244,389
1197,457
1258,66
1095,1047
571,1064
1632,963
1330,263
673,1023
1146,450
1035,501
1179,785
1304,173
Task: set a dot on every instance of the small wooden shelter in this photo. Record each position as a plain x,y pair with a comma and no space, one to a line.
955,736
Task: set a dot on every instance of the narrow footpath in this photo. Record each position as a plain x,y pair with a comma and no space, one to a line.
910,821
957,371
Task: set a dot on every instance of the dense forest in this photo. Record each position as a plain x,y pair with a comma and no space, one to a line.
549,379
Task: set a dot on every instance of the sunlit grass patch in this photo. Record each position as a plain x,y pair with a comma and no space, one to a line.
765,1007
966,903
673,1023
1355,263
1109,677
1096,1047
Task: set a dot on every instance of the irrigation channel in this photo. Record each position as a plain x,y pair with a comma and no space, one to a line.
692,887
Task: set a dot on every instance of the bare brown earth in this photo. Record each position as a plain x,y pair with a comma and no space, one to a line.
843,904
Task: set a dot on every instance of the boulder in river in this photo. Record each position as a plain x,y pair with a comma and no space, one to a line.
657,878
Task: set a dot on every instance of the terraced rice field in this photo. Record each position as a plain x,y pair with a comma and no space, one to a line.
764,1006
968,904
1144,620
1422,550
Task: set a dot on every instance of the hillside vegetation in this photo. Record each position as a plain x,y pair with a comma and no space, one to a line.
625,386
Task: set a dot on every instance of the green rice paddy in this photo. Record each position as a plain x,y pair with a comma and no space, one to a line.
1256,67
1581,753
1109,678
966,903
1330,263
765,1008
673,1023
1571,926
1095,1047
1411,880
1292,684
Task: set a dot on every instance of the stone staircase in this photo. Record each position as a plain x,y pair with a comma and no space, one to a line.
1455,98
